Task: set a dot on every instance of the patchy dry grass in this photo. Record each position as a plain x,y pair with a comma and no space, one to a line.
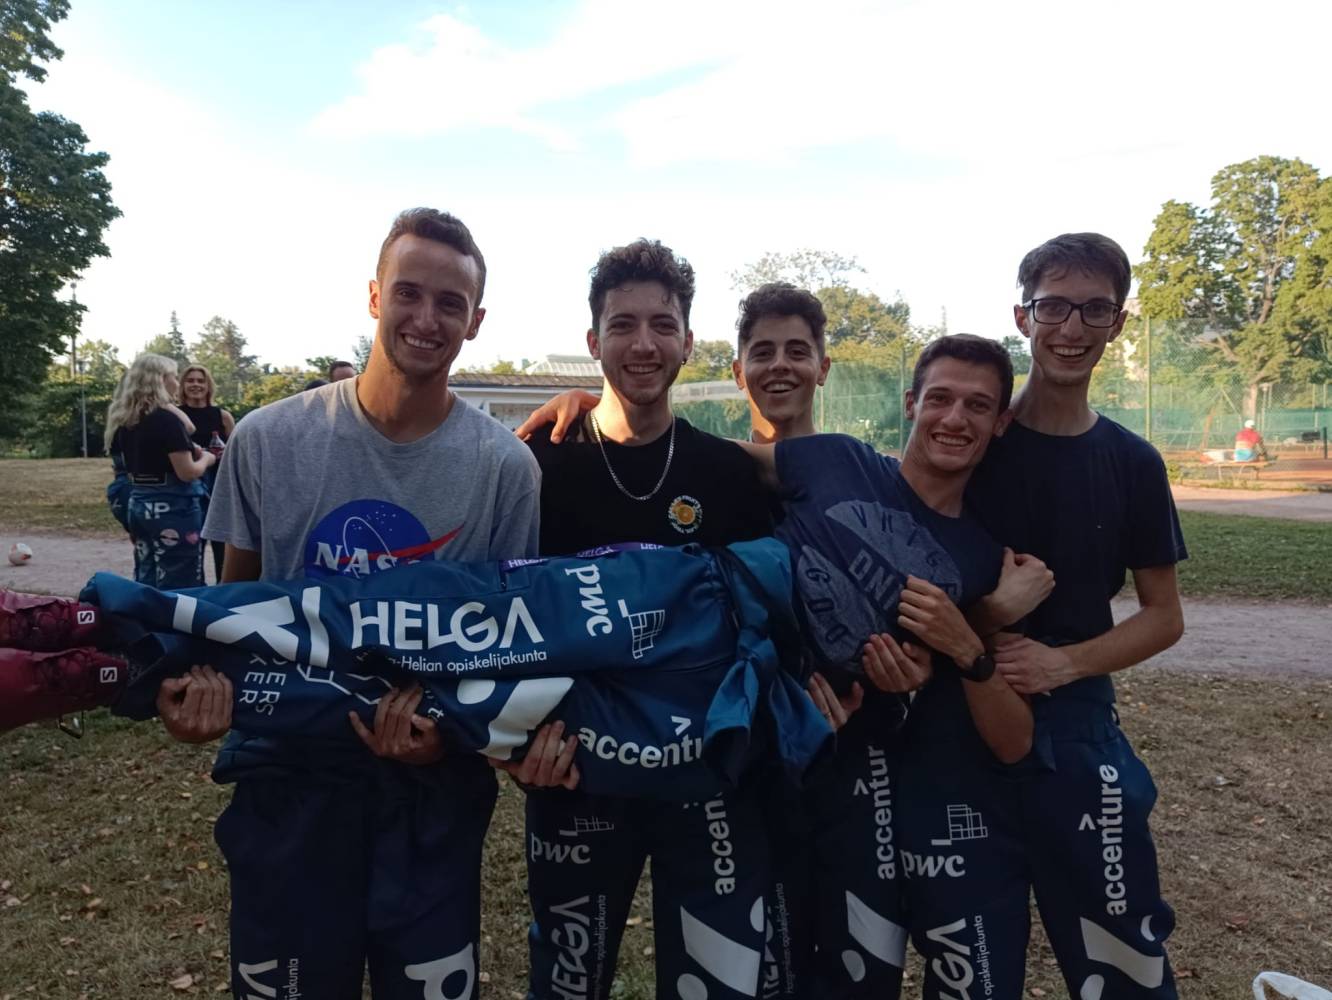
56,494
113,888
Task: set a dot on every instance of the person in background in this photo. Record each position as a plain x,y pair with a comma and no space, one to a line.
165,470
1249,445
212,429
339,370
118,490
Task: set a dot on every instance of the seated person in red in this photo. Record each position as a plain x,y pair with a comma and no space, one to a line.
1249,445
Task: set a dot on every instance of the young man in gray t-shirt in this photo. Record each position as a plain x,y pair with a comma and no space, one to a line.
341,856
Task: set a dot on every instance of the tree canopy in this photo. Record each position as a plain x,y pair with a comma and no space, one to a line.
1250,275
55,204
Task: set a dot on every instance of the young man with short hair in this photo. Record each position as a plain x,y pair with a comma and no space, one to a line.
886,550
632,471
780,359
1092,500
337,856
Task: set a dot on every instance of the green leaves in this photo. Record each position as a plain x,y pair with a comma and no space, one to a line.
1254,270
23,39
55,203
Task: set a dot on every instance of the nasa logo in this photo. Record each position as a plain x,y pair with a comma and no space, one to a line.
685,514
366,536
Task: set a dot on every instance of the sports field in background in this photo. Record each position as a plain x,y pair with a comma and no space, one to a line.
111,887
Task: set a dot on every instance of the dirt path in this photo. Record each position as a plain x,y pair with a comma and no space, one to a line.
62,564
1251,639
1290,504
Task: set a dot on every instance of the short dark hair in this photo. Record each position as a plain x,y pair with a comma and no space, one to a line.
339,364
967,347
1090,253
641,260
779,299
430,224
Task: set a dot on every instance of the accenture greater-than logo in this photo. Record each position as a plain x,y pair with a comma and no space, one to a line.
367,536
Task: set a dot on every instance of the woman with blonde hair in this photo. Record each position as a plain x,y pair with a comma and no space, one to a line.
212,429
164,470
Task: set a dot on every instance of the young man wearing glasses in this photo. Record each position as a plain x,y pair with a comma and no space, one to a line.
1092,501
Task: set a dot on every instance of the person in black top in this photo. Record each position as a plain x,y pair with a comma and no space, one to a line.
212,429
164,467
633,471
1092,500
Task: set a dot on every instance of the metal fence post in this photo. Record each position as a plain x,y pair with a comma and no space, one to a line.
1147,336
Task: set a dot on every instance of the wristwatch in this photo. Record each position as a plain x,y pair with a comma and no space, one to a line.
981,669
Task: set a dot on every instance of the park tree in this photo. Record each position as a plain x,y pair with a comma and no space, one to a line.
812,269
268,385
861,326
1016,346
170,344
364,345
55,204
221,347
709,362
1248,276
51,420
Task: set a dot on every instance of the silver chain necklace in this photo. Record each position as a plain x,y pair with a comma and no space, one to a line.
670,454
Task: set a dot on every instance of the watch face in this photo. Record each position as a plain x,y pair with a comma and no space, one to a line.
981,669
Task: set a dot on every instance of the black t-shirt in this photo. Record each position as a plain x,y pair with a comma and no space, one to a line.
1092,506
147,445
206,420
856,530
711,494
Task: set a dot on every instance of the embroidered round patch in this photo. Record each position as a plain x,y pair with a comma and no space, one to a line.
686,514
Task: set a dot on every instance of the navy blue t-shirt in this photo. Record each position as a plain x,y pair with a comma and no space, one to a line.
1092,506
856,530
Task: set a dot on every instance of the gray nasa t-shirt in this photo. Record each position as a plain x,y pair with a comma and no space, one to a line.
309,484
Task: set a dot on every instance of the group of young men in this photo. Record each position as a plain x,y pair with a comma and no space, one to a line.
1009,772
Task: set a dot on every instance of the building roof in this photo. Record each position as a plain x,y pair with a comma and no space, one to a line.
564,364
479,379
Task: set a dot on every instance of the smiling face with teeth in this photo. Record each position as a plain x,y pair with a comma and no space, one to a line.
956,411
780,368
425,302
1064,354
641,341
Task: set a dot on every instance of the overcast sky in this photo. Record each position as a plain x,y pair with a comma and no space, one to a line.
259,150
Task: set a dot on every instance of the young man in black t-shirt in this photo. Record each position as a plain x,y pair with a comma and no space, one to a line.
633,471
1091,499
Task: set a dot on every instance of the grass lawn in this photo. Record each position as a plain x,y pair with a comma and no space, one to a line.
111,887
67,495
1256,558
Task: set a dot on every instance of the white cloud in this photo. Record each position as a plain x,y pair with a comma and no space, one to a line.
1003,125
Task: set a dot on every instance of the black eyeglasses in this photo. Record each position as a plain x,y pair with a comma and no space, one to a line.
1097,312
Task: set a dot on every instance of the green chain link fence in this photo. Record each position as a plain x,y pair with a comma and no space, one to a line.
1168,382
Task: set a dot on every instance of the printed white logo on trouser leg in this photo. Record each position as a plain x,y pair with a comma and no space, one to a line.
1102,946
874,932
731,963
249,972
433,974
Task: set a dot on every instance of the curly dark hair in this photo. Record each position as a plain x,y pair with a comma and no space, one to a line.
1090,253
967,347
431,224
779,299
641,260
